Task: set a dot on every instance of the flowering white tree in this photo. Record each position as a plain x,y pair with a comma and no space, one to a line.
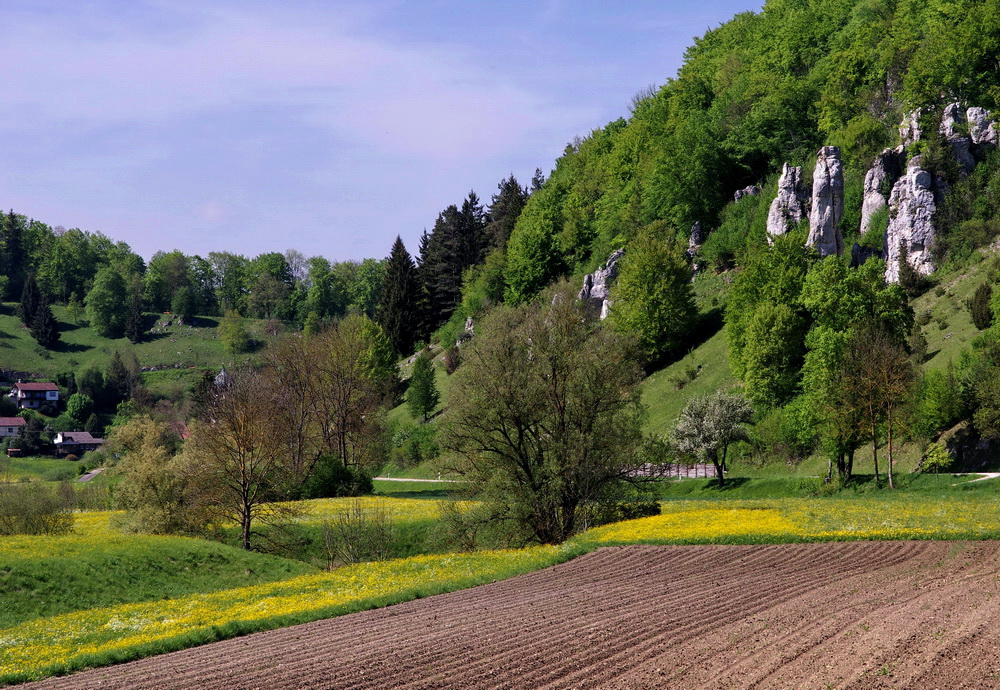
709,425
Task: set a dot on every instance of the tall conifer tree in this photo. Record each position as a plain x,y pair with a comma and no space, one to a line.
12,258
397,309
44,327
30,301
505,209
133,318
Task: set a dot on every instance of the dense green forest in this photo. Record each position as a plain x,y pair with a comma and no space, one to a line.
685,186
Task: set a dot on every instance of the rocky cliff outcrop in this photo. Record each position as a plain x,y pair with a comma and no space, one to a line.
911,215
789,206
752,190
982,128
827,203
909,130
597,285
952,121
879,180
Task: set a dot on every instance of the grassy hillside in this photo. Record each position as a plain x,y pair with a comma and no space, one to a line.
667,391
48,576
180,353
946,323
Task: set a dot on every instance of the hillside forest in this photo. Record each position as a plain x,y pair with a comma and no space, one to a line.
808,189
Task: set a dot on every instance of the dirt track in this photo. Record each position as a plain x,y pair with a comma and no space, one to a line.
859,615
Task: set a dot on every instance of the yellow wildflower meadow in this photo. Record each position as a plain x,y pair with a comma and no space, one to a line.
397,509
47,645
793,519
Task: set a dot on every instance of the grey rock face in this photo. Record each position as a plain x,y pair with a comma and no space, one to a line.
982,128
788,207
909,130
752,190
860,254
951,120
827,203
911,215
597,285
886,169
698,235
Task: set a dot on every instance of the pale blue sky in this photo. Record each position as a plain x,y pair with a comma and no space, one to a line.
330,127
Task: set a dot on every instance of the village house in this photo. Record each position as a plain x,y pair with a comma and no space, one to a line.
34,395
75,443
11,426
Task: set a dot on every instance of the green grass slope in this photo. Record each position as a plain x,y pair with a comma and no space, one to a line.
665,400
949,329
174,347
47,576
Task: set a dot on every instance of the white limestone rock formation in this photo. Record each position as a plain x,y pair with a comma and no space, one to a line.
827,203
789,206
597,285
879,180
982,127
752,190
909,130
911,221
951,121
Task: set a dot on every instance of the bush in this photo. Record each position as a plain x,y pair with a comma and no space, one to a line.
979,307
624,510
452,359
935,458
33,509
414,445
359,533
330,479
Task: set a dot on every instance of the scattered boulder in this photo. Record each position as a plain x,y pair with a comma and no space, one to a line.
752,190
909,129
789,206
827,203
951,121
911,216
597,285
886,169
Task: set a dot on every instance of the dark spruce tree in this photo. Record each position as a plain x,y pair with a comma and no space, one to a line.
456,243
12,254
134,327
505,209
30,301
440,268
397,308
44,327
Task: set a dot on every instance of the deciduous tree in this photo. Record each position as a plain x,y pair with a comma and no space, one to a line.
422,395
544,416
707,427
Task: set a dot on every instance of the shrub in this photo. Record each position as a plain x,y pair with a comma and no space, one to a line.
979,307
33,509
935,458
624,510
359,533
330,479
452,359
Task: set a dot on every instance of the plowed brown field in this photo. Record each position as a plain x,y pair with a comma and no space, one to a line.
859,615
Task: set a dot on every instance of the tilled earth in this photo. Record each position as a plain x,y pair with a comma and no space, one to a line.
857,615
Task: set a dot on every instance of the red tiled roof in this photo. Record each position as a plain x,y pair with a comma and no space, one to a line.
12,421
45,386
